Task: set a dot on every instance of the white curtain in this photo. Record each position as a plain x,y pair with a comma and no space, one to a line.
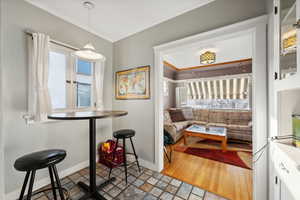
98,83
38,69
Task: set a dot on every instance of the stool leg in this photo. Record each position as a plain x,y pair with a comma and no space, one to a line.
171,151
31,185
52,183
166,153
114,154
24,185
109,172
136,157
125,160
62,197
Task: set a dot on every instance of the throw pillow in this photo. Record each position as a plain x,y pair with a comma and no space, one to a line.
188,113
176,116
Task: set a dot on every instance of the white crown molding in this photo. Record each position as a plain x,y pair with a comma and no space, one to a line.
106,36
68,19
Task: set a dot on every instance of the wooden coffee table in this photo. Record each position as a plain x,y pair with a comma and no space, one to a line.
210,132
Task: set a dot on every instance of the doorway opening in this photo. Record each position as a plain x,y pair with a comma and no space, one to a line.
208,116
193,95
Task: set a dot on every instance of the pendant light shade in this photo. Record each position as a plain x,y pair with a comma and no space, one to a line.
88,52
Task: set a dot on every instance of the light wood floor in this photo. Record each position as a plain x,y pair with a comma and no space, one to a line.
225,180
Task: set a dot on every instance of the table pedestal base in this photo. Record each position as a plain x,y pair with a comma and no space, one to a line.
91,191
94,194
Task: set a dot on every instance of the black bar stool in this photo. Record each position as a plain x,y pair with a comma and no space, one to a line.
168,142
39,160
125,134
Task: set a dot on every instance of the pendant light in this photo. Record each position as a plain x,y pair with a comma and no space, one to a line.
88,51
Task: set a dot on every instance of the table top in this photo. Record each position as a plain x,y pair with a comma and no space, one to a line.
87,115
210,130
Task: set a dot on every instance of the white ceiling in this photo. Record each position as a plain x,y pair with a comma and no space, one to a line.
115,20
237,48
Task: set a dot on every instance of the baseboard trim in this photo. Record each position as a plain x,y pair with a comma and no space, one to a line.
147,164
45,181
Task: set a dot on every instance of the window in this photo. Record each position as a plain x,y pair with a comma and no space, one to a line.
239,104
84,67
166,88
57,79
70,80
84,79
232,92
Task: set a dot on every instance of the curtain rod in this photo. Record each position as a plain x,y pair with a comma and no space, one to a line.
57,42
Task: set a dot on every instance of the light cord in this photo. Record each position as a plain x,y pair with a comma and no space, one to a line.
89,18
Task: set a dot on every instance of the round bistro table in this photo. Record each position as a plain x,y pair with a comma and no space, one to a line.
90,190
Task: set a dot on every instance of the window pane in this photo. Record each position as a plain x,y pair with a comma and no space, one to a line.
57,79
166,88
83,95
84,67
242,104
84,78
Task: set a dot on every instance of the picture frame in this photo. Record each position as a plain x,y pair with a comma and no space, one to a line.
133,83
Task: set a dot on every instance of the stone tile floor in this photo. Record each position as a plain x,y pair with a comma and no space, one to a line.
147,185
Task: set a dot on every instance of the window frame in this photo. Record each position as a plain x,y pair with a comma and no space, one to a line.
166,88
75,97
71,81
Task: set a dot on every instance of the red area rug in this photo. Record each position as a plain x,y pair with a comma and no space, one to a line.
228,157
231,144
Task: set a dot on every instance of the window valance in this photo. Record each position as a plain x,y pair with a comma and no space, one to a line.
236,87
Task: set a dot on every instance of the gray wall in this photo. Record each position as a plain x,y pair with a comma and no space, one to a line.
19,137
169,73
133,51
137,50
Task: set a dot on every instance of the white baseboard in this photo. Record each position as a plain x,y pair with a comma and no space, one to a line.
45,181
148,164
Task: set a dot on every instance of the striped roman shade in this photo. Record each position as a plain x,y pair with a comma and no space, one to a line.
219,88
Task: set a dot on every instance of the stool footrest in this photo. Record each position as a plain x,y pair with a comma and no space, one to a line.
129,153
129,164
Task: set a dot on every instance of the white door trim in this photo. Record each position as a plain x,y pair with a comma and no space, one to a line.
257,28
2,185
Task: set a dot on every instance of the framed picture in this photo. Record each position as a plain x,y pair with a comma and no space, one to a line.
133,83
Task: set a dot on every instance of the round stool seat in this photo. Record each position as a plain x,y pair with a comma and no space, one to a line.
124,133
39,160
